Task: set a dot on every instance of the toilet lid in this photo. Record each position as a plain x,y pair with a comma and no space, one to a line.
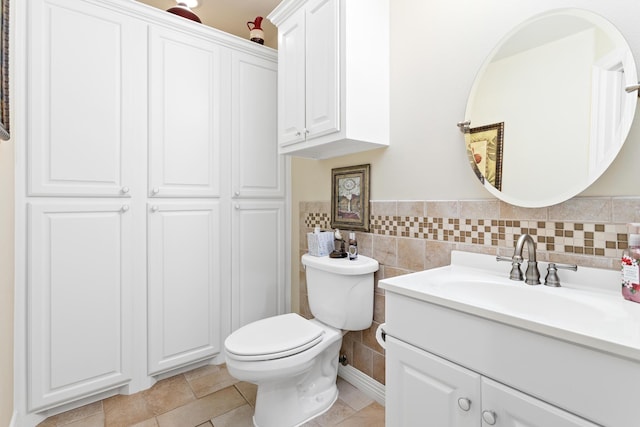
273,338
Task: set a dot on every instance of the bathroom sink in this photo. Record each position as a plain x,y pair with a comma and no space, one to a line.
587,309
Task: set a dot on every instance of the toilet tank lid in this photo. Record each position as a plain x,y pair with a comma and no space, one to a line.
360,265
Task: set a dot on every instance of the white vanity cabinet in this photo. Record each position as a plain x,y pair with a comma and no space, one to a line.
422,387
439,358
333,80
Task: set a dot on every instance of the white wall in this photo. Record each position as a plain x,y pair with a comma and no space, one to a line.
437,46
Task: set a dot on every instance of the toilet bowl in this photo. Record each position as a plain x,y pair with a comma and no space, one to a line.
293,360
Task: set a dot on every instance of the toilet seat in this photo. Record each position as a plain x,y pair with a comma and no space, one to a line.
273,338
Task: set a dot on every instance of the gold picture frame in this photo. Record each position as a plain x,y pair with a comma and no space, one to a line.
485,145
350,197
4,69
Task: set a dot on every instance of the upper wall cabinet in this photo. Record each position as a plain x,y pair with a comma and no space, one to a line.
333,78
184,112
81,134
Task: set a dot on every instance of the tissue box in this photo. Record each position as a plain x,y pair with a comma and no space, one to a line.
320,244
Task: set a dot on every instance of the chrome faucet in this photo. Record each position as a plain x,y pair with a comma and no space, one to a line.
532,274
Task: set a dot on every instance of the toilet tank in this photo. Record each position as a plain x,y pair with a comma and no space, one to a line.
341,290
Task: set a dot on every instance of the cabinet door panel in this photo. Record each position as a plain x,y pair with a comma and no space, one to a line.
258,277
183,284
184,111
258,169
515,409
291,80
80,276
422,389
322,68
87,96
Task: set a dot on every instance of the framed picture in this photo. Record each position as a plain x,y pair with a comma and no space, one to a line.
484,148
4,69
350,198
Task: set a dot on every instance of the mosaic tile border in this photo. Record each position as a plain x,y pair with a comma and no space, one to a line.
582,238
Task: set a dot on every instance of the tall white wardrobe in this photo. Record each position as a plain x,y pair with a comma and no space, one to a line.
151,202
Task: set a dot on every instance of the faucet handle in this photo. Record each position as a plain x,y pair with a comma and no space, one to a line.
516,273
552,278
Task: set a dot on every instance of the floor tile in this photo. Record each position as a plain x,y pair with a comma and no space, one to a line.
210,380
125,411
248,391
72,415
353,397
95,420
147,423
371,416
203,409
239,417
168,394
338,412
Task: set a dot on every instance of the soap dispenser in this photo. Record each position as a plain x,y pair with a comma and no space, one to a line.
353,246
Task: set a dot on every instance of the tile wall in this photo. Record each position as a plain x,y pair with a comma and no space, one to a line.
408,236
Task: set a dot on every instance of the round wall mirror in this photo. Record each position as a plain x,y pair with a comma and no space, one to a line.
550,108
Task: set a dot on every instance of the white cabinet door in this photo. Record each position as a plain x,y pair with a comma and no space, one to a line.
506,407
79,311
184,113
291,79
258,260
424,390
183,283
87,98
322,67
257,168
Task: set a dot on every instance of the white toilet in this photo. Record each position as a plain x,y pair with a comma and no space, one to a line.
294,361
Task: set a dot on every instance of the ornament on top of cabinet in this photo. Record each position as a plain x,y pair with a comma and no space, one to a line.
255,31
182,9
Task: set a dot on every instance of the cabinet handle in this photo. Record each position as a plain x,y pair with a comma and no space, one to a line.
237,207
125,190
155,191
306,131
124,208
489,417
154,208
298,133
464,403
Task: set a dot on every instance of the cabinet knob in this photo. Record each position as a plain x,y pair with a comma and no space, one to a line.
237,207
124,208
489,417
298,133
154,208
306,131
155,190
124,190
237,193
464,403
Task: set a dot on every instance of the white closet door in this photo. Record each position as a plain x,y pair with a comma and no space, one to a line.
79,314
184,112
183,283
257,267
257,168
87,98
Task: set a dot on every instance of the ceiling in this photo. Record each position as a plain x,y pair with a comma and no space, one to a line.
231,16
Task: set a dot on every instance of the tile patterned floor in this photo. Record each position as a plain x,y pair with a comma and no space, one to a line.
208,397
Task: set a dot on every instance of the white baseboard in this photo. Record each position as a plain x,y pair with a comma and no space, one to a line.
362,382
